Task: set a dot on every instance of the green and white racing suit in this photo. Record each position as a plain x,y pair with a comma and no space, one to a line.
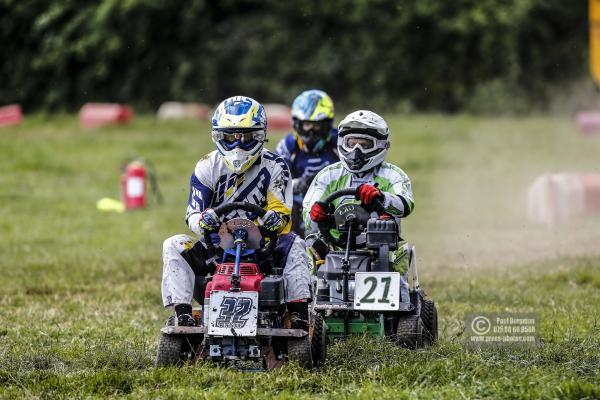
390,179
398,201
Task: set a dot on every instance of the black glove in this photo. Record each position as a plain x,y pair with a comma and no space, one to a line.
319,249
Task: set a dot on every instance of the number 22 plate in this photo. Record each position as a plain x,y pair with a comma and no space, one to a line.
377,291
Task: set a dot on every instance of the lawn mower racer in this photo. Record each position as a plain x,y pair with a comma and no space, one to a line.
310,147
356,205
240,183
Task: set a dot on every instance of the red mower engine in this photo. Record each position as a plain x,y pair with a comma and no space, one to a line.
270,288
249,274
133,185
250,278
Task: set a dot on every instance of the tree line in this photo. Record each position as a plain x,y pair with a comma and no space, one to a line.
394,55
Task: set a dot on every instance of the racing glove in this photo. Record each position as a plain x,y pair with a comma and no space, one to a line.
318,212
318,249
209,220
367,193
273,221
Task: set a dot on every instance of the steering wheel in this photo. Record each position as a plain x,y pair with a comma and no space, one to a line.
324,228
248,207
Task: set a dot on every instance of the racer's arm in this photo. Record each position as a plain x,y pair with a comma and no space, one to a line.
279,195
200,199
399,200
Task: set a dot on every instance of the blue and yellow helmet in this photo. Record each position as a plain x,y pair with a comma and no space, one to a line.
239,130
312,120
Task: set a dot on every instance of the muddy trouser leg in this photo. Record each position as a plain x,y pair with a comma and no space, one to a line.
183,264
296,272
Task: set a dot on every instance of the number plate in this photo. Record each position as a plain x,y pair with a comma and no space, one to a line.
377,291
233,313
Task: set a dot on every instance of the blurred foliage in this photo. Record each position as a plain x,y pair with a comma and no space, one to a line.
397,55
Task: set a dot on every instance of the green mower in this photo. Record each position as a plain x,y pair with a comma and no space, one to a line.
358,287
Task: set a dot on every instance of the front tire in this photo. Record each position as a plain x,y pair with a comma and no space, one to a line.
299,350
170,351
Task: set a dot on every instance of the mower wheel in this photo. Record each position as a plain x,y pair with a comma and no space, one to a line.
169,351
430,323
299,350
319,340
409,332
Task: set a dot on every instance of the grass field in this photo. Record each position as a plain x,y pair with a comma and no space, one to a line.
80,290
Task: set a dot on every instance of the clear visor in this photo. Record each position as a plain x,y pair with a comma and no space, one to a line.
365,143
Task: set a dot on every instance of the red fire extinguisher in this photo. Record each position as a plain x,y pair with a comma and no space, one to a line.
136,173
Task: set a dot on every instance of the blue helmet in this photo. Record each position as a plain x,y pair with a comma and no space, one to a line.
239,129
312,120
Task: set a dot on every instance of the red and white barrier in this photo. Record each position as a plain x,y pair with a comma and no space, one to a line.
588,122
98,114
11,115
279,117
554,198
176,110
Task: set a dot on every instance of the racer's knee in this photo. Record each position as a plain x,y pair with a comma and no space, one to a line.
177,244
173,260
298,244
185,250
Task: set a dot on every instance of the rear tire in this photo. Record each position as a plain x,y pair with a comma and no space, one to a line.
430,323
170,351
299,350
319,340
409,332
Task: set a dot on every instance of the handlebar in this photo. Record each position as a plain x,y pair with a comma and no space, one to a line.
377,205
324,228
249,207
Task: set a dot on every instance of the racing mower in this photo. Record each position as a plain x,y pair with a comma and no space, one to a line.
358,290
243,315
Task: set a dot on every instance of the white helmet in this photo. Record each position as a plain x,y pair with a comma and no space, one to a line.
363,140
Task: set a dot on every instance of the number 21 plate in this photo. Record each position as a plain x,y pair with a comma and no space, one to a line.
377,291
233,313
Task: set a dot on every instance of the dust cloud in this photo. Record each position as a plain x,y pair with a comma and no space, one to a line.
477,215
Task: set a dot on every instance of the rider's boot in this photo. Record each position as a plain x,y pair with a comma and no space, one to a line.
184,315
299,314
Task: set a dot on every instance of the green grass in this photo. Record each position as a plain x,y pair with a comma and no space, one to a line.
80,290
